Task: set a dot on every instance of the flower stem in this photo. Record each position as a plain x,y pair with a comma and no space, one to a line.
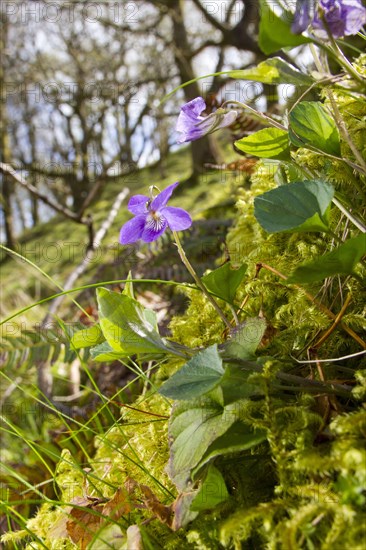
338,55
267,119
197,280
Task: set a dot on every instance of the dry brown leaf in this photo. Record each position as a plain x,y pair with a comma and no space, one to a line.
83,523
119,505
181,510
153,504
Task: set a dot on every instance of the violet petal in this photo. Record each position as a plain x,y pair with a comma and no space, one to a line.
137,204
302,16
150,234
161,200
202,126
132,230
177,218
343,17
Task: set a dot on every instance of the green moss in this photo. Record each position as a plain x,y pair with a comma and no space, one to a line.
136,447
200,325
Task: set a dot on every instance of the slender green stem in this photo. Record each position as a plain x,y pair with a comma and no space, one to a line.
343,130
197,280
84,287
350,216
269,120
341,58
338,56
235,316
299,383
349,163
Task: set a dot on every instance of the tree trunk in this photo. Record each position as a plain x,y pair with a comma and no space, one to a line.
6,184
80,190
7,210
33,177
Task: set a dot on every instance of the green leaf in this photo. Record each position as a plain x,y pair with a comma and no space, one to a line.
128,290
212,492
224,281
311,125
87,337
127,326
267,143
197,377
194,425
246,338
299,206
104,352
235,385
274,71
342,260
239,437
275,31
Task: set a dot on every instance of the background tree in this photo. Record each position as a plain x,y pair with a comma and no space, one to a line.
5,181
87,89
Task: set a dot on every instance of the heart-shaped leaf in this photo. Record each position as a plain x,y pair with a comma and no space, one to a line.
311,125
197,377
246,338
299,206
224,281
127,326
266,143
239,437
194,425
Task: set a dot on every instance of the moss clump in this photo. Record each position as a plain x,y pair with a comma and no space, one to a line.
322,504
137,447
200,325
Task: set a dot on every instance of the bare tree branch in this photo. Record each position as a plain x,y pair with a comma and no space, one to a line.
7,169
210,18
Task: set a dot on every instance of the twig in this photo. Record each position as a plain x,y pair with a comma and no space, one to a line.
349,215
336,322
76,217
343,130
331,360
7,169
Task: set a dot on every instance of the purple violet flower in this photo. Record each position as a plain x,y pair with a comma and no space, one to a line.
193,125
302,16
153,217
343,17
